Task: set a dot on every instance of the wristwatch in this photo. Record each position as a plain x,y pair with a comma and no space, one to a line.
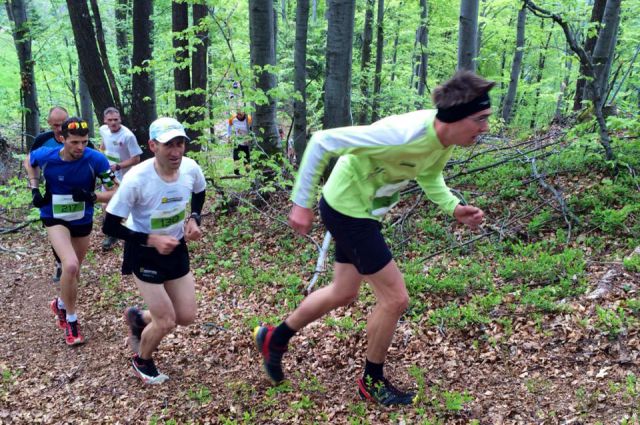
196,217
118,167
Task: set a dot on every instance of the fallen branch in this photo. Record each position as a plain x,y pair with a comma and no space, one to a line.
18,227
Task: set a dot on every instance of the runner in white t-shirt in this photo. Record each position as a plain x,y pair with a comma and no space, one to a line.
122,150
154,196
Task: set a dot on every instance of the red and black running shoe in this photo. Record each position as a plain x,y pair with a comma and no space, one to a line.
72,334
271,358
383,392
60,313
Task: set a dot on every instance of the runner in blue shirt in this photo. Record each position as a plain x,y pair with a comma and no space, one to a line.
53,139
66,209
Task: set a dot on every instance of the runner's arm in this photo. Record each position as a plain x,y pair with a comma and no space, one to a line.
113,226
357,140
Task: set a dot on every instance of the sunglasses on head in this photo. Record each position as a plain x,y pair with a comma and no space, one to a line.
76,125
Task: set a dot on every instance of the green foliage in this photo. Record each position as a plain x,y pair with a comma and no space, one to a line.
611,322
14,194
458,316
201,395
533,264
632,263
614,221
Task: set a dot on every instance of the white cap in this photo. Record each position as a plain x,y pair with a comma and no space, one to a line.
165,129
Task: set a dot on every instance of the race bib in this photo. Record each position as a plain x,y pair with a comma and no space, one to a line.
166,221
65,208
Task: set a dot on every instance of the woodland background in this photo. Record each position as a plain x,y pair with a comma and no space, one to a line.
533,319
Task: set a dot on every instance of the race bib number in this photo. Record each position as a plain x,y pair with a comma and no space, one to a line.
65,208
164,222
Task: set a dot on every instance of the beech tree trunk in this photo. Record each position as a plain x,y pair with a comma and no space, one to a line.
337,89
467,35
86,108
367,38
597,11
143,100
299,84
605,48
515,66
102,47
122,15
17,13
423,38
263,53
541,62
377,79
199,74
90,59
181,72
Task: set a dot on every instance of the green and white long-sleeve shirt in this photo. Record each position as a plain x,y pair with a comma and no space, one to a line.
376,162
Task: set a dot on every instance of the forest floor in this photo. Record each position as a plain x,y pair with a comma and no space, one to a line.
548,368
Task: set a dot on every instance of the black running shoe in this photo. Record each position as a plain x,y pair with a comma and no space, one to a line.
133,318
271,358
108,243
384,393
146,370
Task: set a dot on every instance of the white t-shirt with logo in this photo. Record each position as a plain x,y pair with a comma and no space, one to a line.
119,146
153,205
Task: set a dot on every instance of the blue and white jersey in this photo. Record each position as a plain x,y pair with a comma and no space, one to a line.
62,177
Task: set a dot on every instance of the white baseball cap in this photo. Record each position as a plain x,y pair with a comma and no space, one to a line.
165,129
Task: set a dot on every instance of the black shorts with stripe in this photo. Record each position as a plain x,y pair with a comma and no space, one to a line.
358,241
148,265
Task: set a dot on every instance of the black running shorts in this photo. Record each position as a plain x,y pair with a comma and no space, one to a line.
148,265
76,231
359,241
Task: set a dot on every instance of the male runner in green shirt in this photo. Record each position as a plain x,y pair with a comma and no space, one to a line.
375,163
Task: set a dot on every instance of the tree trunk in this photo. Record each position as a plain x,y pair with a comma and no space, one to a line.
605,46
503,64
102,46
367,37
122,13
17,12
314,11
337,89
143,100
181,72
585,59
423,38
394,56
299,84
92,66
558,115
467,34
515,66
541,61
377,80
86,108
597,11
199,74
261,16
